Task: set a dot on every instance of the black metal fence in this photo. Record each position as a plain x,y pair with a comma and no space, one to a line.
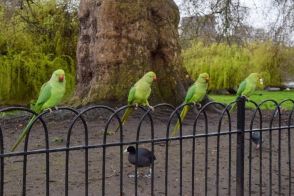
213,154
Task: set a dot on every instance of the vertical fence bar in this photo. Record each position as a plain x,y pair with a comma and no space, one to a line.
166,165
121,160
47,165
152,169
279,155
289,154
193,156
24,171
240,146
217,161
193,161
136,168
181,162
250,165
270,162
1,164
230,162
260,157
206,153
86,164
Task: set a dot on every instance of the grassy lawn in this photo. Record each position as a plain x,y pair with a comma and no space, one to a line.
260,96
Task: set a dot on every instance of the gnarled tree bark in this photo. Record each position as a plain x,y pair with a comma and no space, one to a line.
119,41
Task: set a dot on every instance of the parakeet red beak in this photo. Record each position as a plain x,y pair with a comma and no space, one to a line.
61,78
207,79
154,78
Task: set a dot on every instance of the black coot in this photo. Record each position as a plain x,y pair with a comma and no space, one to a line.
145,157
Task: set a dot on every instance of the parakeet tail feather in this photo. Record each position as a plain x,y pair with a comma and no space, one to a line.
23,133
182,116
125,117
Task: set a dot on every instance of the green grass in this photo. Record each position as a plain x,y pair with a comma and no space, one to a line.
260,96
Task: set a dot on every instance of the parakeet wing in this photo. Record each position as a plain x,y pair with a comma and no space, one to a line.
131,95
190,93
44,95
241,87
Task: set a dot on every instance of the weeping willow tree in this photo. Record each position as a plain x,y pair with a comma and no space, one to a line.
228,64
35,39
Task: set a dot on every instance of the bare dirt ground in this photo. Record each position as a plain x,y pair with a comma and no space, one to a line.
59,122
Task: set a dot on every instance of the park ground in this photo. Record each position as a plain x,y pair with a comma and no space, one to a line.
58,125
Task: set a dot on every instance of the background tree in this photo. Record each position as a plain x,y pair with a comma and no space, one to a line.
230,18
282,28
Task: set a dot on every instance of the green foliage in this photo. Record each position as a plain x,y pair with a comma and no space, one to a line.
22,75
34,41
229,65
267,57
260,96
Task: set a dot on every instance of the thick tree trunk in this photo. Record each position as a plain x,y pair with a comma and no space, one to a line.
119,41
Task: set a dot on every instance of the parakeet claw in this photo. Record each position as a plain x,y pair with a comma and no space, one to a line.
50,110
151,108
136,106
198,105
56,108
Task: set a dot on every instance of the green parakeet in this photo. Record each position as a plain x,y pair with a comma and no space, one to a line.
50,95
139,94
195,94
247,87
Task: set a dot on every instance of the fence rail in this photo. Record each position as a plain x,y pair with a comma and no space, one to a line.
212,154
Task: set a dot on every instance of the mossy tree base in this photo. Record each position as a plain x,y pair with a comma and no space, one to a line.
121,40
